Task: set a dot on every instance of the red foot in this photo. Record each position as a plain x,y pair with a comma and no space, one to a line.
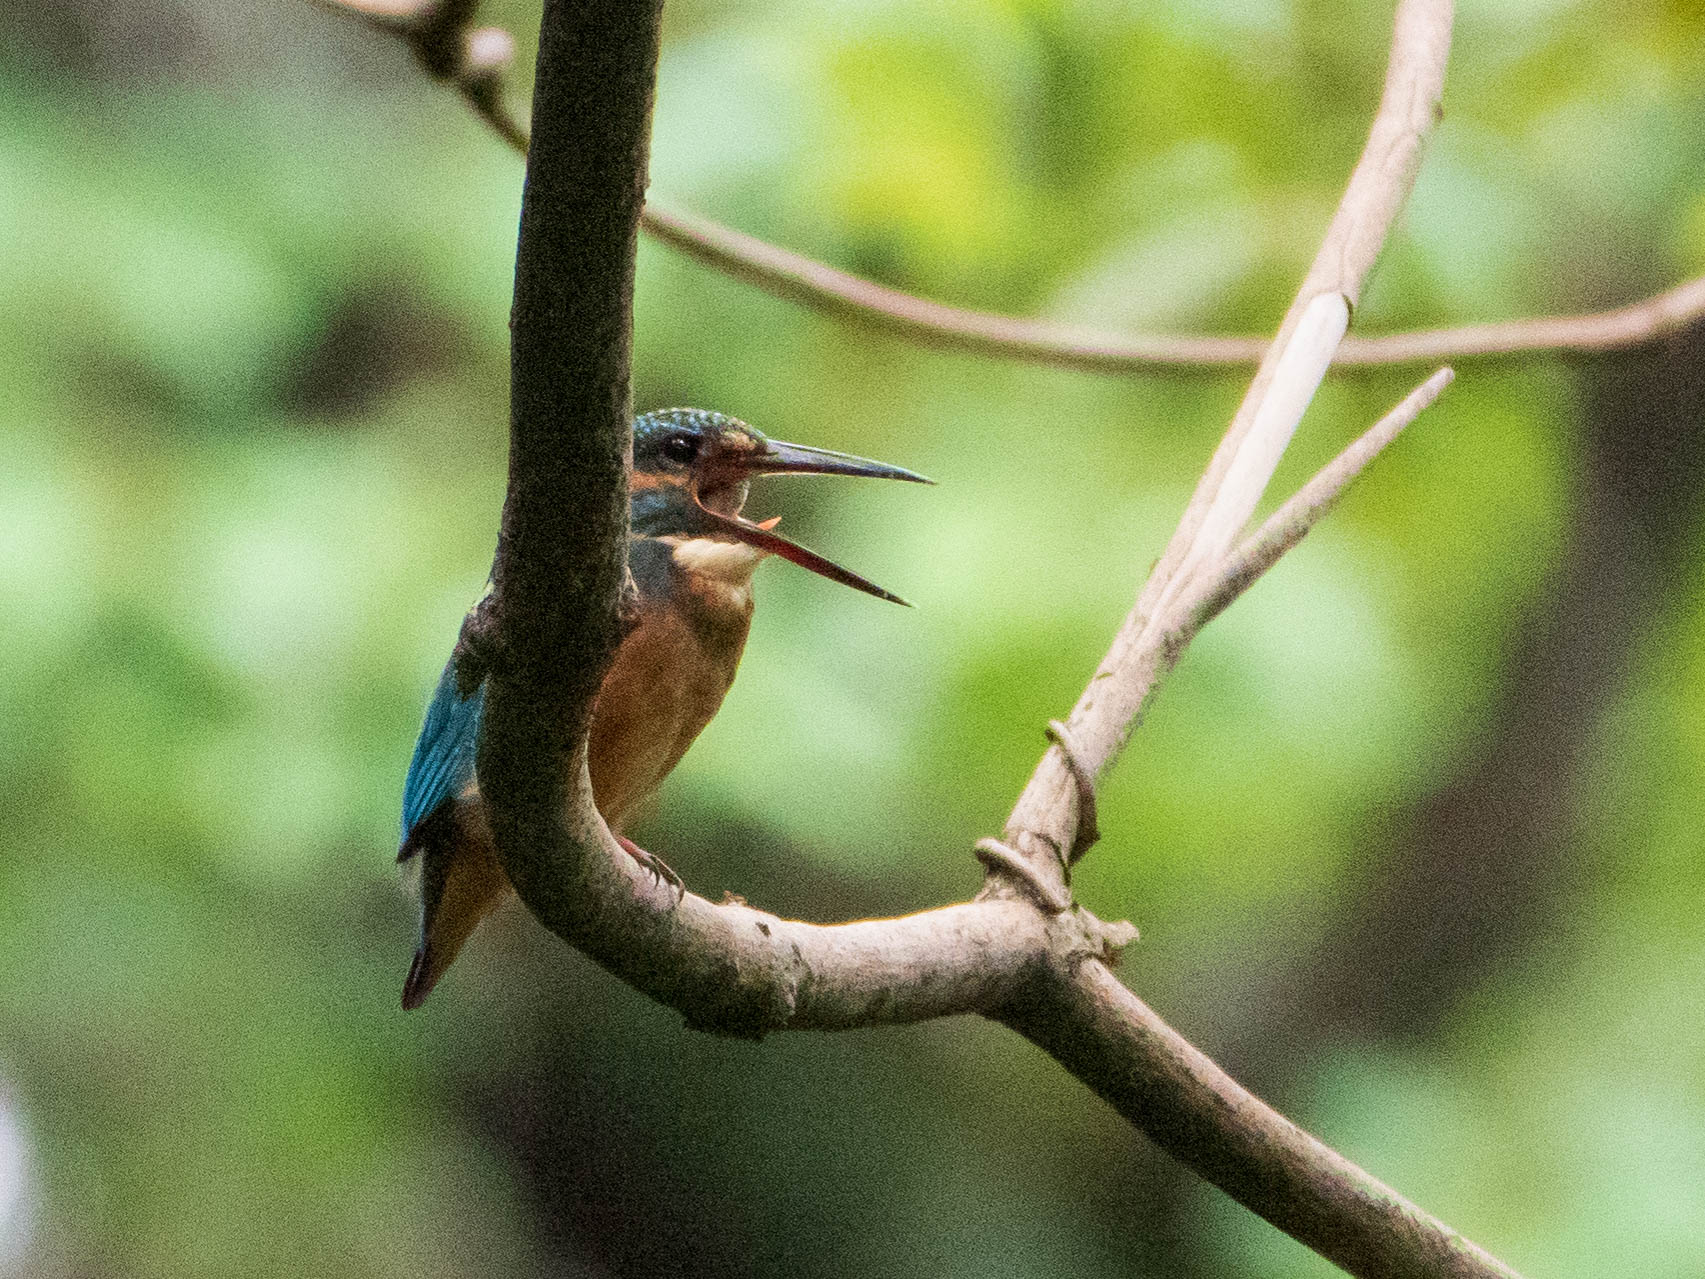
655,864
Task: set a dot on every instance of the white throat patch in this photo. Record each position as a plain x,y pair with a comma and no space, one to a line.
729,562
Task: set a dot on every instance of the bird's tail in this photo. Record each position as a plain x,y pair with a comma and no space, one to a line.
461,882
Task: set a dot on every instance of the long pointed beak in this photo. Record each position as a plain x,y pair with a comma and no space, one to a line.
779,458
765,539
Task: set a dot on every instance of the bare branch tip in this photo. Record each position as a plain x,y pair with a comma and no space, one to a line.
1112,936
1417,402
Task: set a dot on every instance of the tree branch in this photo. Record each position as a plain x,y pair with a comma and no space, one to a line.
792,277
1659,316
1101,1032
556,592
828,291
554,612
1288,525
1164,618
474,62
555,622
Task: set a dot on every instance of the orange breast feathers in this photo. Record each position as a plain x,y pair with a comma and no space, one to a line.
670,674
667,680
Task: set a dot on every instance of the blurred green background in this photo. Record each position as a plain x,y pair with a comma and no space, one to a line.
1412,837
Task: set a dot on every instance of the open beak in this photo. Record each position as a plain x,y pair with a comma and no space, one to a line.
777,458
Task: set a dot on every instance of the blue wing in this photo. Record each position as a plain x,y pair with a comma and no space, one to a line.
443,762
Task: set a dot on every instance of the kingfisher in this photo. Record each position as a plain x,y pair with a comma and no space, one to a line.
691,555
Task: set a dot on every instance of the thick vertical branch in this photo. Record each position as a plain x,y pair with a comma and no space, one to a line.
562,550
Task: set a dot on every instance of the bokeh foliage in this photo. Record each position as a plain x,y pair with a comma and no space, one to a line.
253,285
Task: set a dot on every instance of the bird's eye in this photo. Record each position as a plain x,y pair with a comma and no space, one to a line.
680,448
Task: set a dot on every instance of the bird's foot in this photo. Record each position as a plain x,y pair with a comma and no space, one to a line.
656,865
1088,828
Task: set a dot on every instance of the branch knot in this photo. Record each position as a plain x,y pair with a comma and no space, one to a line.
1078,936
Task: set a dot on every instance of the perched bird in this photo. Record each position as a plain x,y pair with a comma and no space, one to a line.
691,555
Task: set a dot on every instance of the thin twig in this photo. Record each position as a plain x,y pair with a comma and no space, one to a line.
819,287
1659,316
1156,630
1288,525
828,291
815,285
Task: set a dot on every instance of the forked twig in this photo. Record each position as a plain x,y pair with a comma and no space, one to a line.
1288,525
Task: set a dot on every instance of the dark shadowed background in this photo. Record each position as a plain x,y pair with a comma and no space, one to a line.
1413,837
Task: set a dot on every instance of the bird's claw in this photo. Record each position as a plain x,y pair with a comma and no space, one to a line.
659,868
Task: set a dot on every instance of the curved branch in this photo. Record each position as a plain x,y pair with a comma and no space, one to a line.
474,63
1101,1032
1163,620
556,592
555,620
1659,316
819,287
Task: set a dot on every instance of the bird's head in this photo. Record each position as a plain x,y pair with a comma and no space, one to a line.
691,472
